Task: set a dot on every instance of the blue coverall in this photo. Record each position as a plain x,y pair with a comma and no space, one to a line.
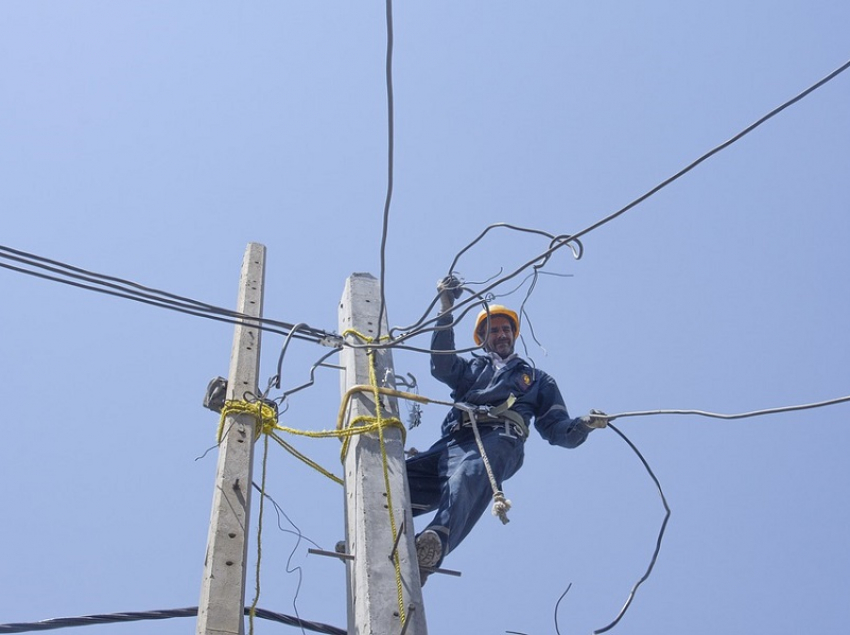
450,476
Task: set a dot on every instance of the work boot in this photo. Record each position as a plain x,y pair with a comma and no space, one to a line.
429,551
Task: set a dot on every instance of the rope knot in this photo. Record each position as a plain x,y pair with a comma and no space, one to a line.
501,505
264,412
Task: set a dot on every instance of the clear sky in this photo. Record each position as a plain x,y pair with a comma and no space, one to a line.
153,140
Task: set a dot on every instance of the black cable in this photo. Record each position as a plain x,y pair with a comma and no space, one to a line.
118,287
275,381
717,149
114,618
299,536
518,228
55,265
557,604
390,161
560,241
312,379
658,542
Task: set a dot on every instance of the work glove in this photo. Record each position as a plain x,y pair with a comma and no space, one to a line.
596,419
449,289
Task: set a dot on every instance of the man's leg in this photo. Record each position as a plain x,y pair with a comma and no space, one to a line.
466,490
425,477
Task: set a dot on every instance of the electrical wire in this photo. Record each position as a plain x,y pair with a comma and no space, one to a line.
163,614
742,415
540,232
279,511
557,242
717,149
312,379
299,536
177,303
276,379
657,543
754,413
118,287
390,162
557,604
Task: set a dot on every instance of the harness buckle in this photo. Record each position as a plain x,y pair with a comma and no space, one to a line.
491,416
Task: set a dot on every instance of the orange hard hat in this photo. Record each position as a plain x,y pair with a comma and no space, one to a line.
495,309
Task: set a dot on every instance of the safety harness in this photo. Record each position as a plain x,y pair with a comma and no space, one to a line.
494,416
474,416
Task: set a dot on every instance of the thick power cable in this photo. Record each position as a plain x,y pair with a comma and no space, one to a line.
118,287
390,161
560,241
191,611
714,151
741,415
661,531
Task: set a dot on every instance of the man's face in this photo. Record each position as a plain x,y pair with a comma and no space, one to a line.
500,338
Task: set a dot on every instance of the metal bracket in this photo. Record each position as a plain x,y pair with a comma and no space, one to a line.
401,532
331,554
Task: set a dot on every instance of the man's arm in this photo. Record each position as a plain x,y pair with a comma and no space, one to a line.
552,420
447,367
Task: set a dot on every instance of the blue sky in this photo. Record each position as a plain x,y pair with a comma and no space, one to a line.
153,140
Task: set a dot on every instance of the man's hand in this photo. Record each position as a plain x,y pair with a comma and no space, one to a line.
596,419
449,289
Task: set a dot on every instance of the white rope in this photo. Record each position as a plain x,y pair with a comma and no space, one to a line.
501,505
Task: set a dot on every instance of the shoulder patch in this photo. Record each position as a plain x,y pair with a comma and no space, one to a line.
523,381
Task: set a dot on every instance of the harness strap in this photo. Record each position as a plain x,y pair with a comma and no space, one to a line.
496,415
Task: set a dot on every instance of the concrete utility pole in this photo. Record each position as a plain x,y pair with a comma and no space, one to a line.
373,596
222,603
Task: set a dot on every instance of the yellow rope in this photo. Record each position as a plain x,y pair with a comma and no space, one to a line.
266,416
378,422
305,459
262,412
393,528
253,610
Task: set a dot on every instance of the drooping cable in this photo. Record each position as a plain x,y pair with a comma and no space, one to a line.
657,543
299,536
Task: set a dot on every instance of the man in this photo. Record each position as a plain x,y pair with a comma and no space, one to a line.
503,394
